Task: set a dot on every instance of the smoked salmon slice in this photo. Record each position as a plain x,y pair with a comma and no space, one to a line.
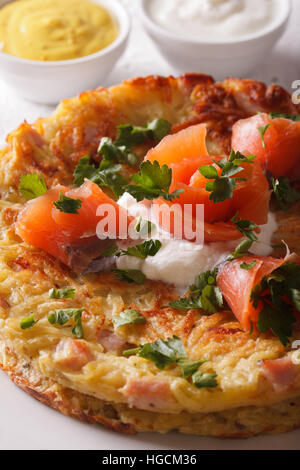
236,284
64,235
278,150
185,152
189,143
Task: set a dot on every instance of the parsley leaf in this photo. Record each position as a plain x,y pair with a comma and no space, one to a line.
249,266
130,275
237,158
262,130
111,152
62,316
281,324
186,303
84,169
222,187
162,353
205,294
68,205
277,314
148,248
245,227
166,353
65,293
293,117
201,380
28,322
189,368
285,193
109,177
128,317
145,228
241,250
129,135
152,182
32,186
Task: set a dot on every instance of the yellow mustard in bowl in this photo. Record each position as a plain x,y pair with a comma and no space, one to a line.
48,30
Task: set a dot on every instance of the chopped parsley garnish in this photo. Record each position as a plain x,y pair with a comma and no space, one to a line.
292,117
285,194
130,275
153,181
189,368
109,177
128,317
28,322
241,250
148,248
32,186
262,130
201,380
68,205
129,135
145,228
162,353
186,303
65,293
62,316
277,313
205,295
249,266
245,227
172,351
222,187
112,153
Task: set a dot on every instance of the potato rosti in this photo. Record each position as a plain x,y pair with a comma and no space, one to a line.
90,378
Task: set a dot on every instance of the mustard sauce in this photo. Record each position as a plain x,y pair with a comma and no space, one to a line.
48,30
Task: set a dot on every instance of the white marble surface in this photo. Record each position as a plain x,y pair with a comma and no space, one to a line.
26,424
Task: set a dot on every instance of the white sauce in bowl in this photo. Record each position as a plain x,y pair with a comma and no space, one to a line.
216,20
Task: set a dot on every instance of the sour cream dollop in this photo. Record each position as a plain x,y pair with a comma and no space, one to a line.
215,20
178,262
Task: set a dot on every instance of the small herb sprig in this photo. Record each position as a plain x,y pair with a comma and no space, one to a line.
32,186
245,227
63,316
109,177
285,194
241,251
277,314
222,187
128,136
153,181
68,205
129,317
170,352
204,295
142,251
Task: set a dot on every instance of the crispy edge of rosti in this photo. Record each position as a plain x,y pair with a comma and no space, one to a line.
238,423
53,146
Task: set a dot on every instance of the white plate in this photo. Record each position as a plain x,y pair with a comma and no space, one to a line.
27,424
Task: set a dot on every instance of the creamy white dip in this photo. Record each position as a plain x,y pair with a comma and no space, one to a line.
215,20
178,262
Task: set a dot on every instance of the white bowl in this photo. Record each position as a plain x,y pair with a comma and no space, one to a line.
50,82
233,58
